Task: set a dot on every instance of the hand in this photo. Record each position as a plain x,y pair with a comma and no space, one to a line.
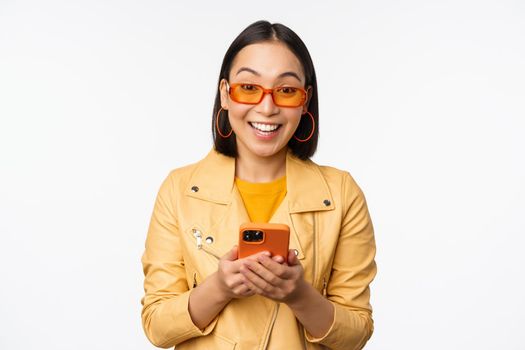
273,279
230,281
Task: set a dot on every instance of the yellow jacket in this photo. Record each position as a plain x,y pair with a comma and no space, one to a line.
195,221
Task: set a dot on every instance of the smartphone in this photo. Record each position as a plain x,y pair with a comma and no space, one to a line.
258,237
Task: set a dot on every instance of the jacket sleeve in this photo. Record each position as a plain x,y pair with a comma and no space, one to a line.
165,316
353,270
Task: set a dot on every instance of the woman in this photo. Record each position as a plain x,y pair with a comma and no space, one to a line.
198,294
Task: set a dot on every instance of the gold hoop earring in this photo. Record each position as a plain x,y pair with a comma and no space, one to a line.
217,125
311,133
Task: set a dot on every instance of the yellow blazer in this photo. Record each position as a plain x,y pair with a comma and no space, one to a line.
195,221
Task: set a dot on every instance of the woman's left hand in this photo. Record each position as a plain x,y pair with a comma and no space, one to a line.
272,278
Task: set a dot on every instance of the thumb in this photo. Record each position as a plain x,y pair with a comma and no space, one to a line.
232,255
292,257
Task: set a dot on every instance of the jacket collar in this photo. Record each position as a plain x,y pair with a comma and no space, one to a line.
307,190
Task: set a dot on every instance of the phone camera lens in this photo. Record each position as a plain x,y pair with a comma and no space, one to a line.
252,236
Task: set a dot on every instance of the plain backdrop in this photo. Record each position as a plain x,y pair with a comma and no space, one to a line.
422,101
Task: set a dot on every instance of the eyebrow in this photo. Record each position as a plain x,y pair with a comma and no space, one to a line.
282,75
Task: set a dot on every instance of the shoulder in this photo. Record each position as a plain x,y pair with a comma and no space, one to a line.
338,178
326,181
211,177
210,162
347,193
178,178
184,172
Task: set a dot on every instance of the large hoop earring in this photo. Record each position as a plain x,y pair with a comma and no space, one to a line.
217,125
311,133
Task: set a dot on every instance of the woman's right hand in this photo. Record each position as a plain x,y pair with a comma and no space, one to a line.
208,299
230,280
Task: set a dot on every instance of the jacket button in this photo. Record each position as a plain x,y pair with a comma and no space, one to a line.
326,202
209,239
194,189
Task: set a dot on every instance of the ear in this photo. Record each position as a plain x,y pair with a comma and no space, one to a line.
309,93
223,90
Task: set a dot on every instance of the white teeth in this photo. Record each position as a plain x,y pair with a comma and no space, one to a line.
264,127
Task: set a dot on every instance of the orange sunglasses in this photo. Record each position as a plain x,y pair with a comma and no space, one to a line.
252,94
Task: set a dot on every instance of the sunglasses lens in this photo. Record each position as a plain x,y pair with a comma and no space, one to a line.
285,96
288,96
246,93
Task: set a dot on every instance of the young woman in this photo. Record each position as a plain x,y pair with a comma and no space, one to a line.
198,293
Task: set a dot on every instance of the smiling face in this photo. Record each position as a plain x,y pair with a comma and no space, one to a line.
263,129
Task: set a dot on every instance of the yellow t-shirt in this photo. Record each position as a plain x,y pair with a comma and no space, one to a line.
261,199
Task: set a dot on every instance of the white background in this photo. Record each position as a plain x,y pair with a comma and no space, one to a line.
422,101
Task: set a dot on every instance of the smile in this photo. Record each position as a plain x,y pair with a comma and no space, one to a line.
265,127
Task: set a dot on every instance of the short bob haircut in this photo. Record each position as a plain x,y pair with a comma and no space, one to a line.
257,32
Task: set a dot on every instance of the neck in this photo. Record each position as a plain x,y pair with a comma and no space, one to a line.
253,168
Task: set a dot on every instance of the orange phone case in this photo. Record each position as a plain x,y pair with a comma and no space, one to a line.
276,238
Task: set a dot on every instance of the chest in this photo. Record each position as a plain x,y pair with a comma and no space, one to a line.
208,230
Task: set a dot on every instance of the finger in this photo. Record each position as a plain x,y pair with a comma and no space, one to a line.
243,290
236,265
232,254
263,253
248,293
278,259
273,266
252,287
292,257
233,281
271,273
254,280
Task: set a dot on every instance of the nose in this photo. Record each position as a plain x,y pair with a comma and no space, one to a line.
266,107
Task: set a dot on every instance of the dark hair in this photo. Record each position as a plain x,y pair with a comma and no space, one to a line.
261,31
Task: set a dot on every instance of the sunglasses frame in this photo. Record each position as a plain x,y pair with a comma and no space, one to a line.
230,88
